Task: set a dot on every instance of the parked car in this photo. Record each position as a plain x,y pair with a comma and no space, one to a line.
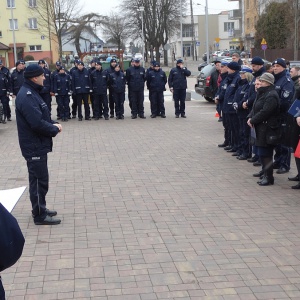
29,62
202,84
201,66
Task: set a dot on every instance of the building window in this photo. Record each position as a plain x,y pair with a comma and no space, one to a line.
35,48
32,23
13,24
32,3
228,26
187,30
11,3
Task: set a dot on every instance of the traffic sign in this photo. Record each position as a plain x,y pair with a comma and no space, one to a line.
217,40
263,42
217,44
264,46
197,43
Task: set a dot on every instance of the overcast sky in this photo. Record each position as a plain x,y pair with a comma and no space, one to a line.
106,7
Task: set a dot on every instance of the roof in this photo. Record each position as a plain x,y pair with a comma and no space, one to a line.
4,47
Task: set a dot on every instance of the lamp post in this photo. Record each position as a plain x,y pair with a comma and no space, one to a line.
206,30
142,9
13,30
181,51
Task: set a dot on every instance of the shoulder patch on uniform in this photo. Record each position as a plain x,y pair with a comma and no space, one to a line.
29,93
286,94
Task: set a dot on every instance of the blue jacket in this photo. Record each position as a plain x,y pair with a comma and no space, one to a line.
156,80
47,82
233,80
222,88
99,81
5,71
284,86
136,78
117,82
4,84
239,96
16,81
81,83
177,78
35,127
62,84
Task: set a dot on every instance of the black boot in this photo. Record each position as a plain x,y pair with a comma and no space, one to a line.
268,178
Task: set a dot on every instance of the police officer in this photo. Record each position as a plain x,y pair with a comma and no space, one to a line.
136,78
3,69
53,74
129,98
17,78
74,103
285,89
156,82
110,70
62,90
45,92
35,131
4,92
118,84
91,69
178,85
81,87
99,83
214,83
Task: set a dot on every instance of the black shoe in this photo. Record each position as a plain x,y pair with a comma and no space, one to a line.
220,120
96,119
93,117
117,118
259,174
257,164
296,187
163,116
231,150
276,166
282,170
242,157
153,116
69,118
183,116
74,117
235,154
50,213
122,117
112,116
47,221
222,145
266,181
133,117
142,117
58,118
296,178
106,118
252,159
88,119
177,116
79,119
227,148
8,119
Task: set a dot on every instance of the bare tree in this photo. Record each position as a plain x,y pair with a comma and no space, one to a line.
53,18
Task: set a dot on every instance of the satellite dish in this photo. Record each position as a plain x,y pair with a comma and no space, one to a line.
167,47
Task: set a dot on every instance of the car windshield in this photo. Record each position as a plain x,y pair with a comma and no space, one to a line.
207,70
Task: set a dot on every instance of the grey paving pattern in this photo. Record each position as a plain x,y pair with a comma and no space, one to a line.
153,209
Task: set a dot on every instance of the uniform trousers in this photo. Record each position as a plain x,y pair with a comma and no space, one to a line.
137,102
38,185
47,99
119,99
157,103
63,102
6,109
179,101
234,128
74,106
244,137
85,99
282,156
111,102
226,125
100,105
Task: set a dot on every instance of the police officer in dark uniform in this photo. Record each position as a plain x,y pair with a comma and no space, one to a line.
178,85
156,83
17,78
45,93
214,83
129,98
35,131
62,91
136,78
81,87
285,89
110,70
52,78
91,69
99,83
4,99
3,69
74,104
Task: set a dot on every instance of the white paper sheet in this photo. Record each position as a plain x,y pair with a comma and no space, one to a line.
9,198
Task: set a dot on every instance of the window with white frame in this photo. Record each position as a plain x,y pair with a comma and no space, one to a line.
11,3
228,26
35,48
32,3
13,24
32,23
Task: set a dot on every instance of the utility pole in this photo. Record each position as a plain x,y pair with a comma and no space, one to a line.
194,51
296,40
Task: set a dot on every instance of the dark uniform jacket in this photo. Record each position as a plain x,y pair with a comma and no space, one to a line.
117,81
16,81
266,109
222,88
239,96
5,71
177,78
156,80
4,84
81,83
136,77
47,82
99,81
35,127
62,84
213,83
232,85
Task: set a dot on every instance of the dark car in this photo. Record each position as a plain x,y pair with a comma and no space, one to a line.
203,79
201,66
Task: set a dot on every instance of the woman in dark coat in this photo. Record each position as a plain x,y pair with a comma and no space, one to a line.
265,111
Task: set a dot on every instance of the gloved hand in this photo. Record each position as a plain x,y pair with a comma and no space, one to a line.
235,106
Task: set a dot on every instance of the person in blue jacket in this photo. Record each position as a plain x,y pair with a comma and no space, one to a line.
62,91
156,83
233,79
244,130
35,132
99,82
17,78
81,87
178,84
4,99
118,84
45,93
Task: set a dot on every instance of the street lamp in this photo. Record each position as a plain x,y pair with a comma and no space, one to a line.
13,30
206,30
181,52
141,9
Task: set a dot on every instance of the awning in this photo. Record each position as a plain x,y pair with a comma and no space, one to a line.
4,47
18,45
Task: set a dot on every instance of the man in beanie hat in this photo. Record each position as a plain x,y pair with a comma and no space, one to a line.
45,93
35,132
285,89
178,84
215,79
74,104
110,70
17,78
